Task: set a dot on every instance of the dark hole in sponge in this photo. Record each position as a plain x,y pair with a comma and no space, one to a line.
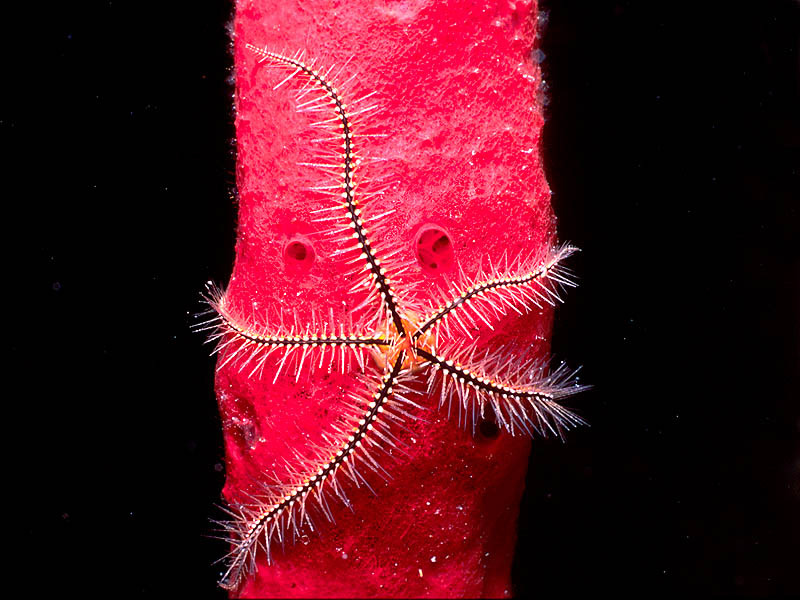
441,245
434,249
488,429
297,251
298,255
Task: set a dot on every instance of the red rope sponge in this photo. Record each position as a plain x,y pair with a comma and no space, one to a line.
383,338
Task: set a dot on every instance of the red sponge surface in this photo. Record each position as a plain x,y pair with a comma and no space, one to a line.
455,149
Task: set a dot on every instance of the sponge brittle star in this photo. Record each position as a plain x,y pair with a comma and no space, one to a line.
402,342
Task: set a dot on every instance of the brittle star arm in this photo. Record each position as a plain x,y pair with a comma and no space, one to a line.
526,401
525,288
347,170
284,510
310,340
239,340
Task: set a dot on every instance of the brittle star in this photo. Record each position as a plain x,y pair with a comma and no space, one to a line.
402,341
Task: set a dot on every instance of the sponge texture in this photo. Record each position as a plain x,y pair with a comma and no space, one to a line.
455,149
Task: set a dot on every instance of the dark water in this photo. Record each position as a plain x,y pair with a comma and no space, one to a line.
671,147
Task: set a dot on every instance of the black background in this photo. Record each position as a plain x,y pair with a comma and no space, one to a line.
672,149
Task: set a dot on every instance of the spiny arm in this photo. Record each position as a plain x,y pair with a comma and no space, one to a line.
283,510
523,398
532,284
240,340
355,221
